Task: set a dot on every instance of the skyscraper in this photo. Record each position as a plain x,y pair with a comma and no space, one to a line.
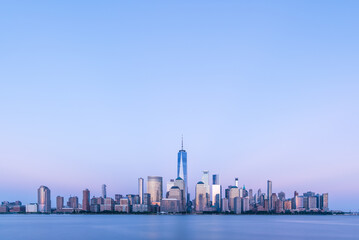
236,182
59,202
205,180
269,193
104,194
201,197
44,199
140,189
86,200
182,167
216,192
154,187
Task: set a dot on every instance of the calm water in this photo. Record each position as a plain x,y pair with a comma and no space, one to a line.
16,227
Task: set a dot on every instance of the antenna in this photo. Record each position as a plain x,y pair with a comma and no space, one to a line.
182,141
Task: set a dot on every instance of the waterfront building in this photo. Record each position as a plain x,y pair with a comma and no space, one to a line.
201,197
108,205
176,193
32,208
233,193
245,204
94,207
147,199
216,193
86,200
73,202
124,205
279,206
141,189
269,194
287,205
182,168
225,206
181,185
171,205
140,208
59,202
324,202
311,203
154,187
104,191
237,209
118,198
205,180
44,199
274,200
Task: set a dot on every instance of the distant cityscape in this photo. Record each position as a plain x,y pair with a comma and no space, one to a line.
208,198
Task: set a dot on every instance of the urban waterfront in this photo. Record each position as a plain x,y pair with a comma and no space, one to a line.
16,227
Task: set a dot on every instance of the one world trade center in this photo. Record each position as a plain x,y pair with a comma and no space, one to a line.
182,168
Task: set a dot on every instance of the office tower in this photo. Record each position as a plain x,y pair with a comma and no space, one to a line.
245,204
44,199
108,205
118,198
281,196
205,180
216,192
237,209
236,182
181,185
140,189
287,205
147,199
250,196
215,178
59,202
86,200
104,192
73,202
279,206
269,194
324,202
154,187
273,201
201,197
182,167
233,193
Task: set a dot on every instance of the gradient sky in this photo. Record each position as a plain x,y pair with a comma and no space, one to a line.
97,92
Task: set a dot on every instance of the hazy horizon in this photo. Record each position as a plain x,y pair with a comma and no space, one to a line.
100,93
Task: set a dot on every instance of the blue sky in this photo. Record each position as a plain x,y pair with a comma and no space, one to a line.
100,92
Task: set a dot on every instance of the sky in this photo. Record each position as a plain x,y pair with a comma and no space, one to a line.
100,92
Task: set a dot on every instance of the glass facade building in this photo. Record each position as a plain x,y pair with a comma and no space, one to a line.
182,168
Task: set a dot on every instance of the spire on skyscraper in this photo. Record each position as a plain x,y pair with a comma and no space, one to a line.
182,141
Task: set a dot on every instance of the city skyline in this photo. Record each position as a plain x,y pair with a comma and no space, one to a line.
96,94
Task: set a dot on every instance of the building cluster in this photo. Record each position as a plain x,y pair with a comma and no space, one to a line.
208,198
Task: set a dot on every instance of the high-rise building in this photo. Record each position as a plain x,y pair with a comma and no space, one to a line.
86,200
233,193
154,187
73,202
236,182
324,202
59,202
269,193
140,189
44,199
216,192
205,180
182,167
104,193
201,197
